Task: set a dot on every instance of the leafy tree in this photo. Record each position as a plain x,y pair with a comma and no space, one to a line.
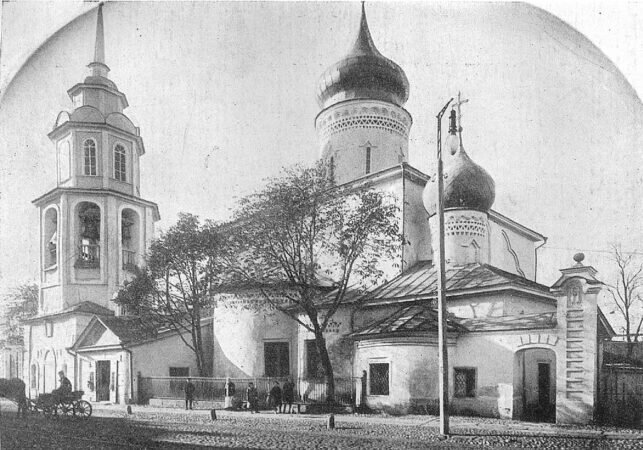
305,241
20,304
626,292
172,291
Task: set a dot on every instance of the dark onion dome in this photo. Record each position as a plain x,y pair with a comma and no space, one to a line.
466,185
364,73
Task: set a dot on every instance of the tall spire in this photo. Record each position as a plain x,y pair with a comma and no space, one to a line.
364,43
98,66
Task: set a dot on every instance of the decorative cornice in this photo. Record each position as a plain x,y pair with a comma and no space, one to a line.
58,191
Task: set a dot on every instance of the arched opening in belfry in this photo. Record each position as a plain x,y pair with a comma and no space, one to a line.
50,228
130,238
89,225
534,379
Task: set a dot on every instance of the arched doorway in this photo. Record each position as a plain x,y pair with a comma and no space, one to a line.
49,372
535,385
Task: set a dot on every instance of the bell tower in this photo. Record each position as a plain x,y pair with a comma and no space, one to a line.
94,225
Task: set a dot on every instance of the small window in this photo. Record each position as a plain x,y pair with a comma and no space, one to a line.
179,371
120,163
464,382
378,378
49,329
33,377
89,151
368,160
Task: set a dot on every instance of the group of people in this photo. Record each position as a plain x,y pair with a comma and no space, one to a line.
278,398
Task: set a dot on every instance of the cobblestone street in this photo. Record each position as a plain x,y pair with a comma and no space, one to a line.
149,428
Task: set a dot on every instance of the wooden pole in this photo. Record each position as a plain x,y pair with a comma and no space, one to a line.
443,378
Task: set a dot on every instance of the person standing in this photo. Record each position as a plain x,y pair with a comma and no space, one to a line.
253,398
229,394
288,395
275,397
189,393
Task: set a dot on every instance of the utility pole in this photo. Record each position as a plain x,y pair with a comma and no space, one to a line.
443,377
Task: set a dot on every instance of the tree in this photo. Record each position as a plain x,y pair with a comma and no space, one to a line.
303,240
172,291
20,304
626,292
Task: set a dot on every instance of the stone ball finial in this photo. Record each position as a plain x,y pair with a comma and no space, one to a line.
579,257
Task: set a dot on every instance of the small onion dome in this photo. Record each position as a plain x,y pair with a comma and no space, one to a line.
364,73
466,185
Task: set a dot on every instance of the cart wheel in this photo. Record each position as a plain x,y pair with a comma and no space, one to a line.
65,409
82,408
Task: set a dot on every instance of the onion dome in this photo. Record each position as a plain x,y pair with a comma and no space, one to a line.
466,184
364,73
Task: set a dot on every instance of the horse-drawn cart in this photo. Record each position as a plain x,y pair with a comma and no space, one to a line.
53,404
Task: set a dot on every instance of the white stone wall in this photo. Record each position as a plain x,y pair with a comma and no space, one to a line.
413,371
511,251
49,353
347,128
241,328
416,224
466,236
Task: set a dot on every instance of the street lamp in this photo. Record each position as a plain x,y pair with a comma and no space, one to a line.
443,376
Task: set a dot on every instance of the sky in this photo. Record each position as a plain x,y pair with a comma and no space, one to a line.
224,94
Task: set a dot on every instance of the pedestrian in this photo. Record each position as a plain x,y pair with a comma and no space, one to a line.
253,398
288,395
275,397
189,393
229,394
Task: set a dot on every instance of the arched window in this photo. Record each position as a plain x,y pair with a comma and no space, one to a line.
89,235
120,163
129,238
368,160
89,151
50,252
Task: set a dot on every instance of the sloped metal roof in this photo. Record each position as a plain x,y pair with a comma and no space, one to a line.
411,319
420,281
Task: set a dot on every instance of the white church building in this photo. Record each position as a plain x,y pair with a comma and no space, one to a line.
517,349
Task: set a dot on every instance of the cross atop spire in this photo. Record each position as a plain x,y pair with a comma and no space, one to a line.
459,102
98,66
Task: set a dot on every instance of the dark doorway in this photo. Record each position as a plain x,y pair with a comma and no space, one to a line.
534,396
543,385
277,359
102,381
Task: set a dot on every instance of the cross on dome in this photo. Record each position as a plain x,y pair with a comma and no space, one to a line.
457,104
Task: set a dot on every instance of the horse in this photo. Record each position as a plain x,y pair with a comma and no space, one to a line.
14,389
